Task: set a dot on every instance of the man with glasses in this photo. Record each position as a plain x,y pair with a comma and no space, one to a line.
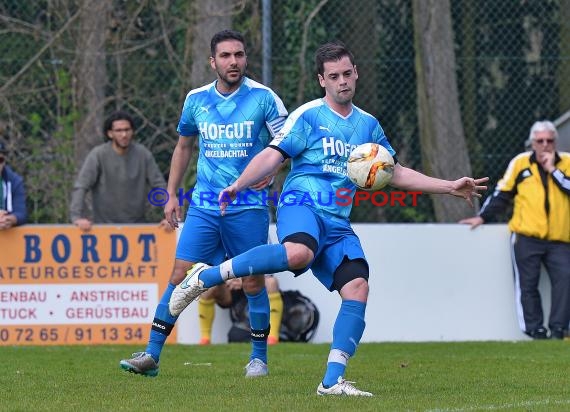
12,194
537,183
119,175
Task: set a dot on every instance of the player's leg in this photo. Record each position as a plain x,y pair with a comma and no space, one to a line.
198,241
351,281
344,259
241,232
258,310
300,246
146,363
273,258
294,253
275,308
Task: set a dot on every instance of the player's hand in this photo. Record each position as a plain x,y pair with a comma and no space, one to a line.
472,221
468,188
227,196
83,224
165,224
172,212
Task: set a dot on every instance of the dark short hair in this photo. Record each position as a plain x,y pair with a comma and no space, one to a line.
223,36
113,117
331,52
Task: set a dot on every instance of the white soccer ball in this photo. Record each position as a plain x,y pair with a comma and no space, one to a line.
370,166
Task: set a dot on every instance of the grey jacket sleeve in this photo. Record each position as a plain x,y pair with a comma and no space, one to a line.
153,175
85,180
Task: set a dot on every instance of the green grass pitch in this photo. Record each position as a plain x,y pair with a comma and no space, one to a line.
462,376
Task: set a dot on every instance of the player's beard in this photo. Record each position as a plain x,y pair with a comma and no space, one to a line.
231,80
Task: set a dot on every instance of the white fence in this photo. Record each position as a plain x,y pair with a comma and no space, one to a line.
428,282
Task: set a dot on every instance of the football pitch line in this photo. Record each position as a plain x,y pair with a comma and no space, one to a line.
524,404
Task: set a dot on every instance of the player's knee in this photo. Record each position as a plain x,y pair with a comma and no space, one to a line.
299,256
351,279
356,289
301,248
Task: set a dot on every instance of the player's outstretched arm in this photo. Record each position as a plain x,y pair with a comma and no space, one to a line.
262,165
466,187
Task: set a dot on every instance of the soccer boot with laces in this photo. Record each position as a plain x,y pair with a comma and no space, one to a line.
342,388
141,363
256,368
188,290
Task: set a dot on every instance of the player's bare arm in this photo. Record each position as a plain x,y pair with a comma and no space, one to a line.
180,159
262,165
268,180
466,187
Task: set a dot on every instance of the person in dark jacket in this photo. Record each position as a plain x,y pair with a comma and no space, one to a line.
12,194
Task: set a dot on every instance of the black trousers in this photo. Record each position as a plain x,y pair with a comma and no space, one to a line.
528,254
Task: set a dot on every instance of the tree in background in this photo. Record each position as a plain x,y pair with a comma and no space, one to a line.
444,150
67,63
90,76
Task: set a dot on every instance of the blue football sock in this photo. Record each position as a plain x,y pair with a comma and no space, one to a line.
347,332
161,325
260,260
259,323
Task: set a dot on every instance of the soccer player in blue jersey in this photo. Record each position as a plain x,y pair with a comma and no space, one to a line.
234,118
313,234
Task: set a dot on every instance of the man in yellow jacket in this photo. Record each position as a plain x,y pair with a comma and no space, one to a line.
537,184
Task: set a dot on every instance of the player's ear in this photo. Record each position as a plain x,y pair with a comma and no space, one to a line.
212,63
355,73
321,80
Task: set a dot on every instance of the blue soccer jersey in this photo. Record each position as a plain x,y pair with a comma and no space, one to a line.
231,130
319,141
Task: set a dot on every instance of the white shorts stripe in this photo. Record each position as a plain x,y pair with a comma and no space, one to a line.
518,304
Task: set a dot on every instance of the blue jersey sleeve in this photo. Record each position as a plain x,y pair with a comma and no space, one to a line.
379,137
275,113
187,125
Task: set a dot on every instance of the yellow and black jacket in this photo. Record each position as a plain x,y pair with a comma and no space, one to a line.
541,201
